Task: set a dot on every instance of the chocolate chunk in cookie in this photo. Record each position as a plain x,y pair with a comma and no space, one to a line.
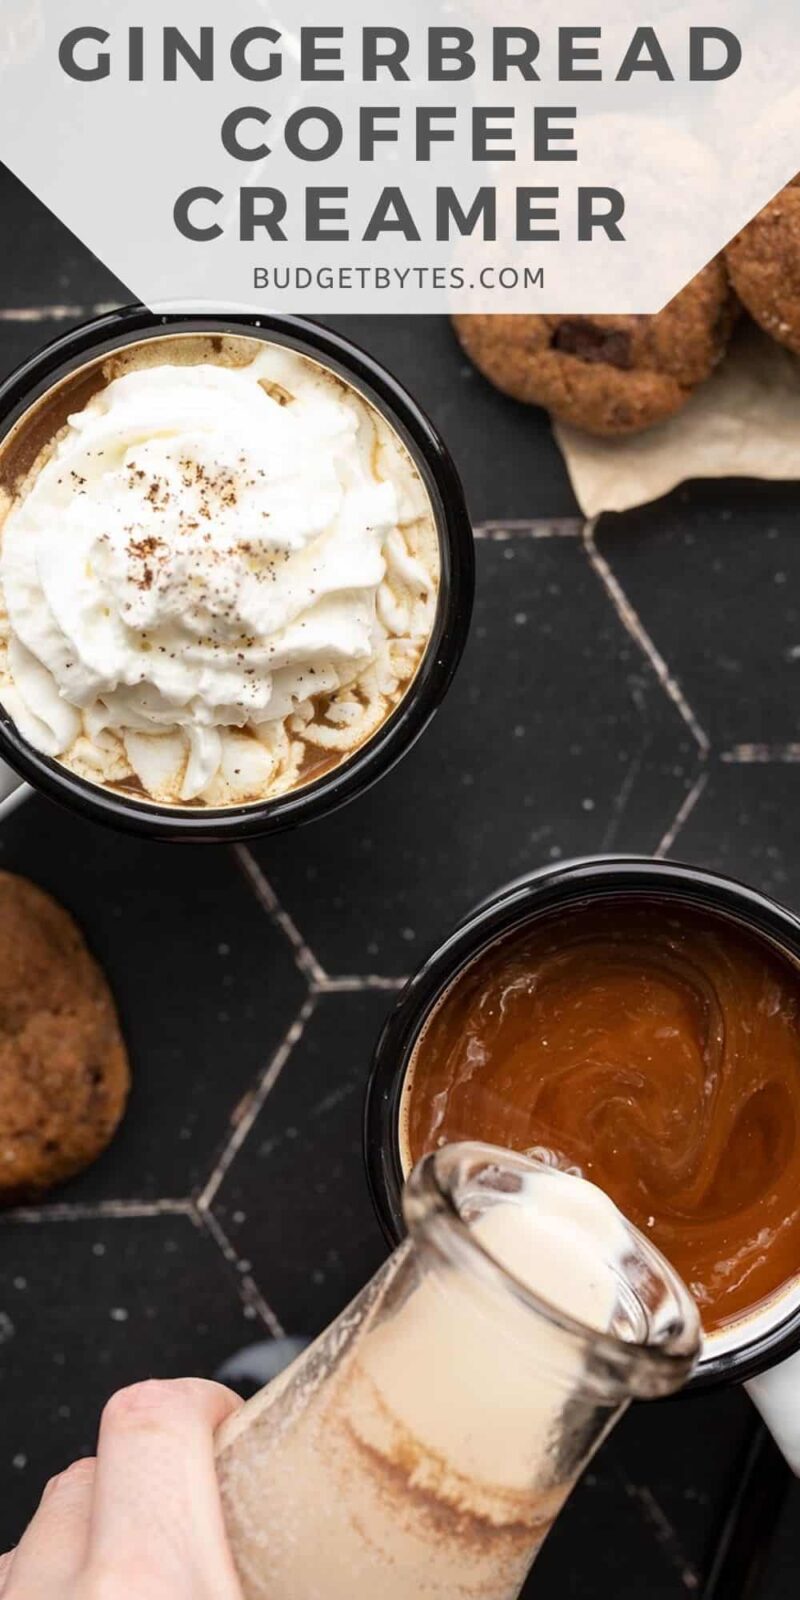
764,264
608,374
589,341
64,1074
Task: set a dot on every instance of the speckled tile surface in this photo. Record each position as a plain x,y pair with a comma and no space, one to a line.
636,691
712,573
557,739
206,985
89,1303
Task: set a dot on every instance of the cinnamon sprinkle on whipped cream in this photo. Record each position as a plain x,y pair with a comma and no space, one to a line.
216,578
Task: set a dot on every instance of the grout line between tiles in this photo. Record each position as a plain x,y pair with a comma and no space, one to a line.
100,1210
635,627
251,1105
663,1531
530,528
304,957
254,1303
683,813
357,984
750,754
62,313
619,804
117,1210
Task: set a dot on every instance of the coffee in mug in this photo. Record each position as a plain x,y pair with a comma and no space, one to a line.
219,571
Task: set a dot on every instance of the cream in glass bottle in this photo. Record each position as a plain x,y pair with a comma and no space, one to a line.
427,1441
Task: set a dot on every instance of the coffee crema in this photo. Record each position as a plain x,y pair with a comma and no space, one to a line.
652,1047
219,571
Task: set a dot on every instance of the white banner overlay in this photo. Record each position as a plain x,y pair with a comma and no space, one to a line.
551,155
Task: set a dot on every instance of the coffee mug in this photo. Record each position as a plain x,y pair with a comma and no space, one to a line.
761,1350
133,325
13,790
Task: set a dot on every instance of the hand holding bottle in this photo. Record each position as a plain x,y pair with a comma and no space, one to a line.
141,1518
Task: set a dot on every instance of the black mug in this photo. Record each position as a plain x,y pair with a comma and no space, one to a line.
133,325
762,1350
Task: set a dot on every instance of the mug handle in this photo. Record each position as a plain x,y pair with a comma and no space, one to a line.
776,1394
13,790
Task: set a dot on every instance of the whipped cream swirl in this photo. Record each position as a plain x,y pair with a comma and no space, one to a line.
218,570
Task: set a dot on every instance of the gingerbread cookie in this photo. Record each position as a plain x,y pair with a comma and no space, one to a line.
608,374
764,264
64,1074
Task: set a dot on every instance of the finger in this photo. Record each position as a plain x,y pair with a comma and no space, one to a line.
52,1551
5,1569
155,1473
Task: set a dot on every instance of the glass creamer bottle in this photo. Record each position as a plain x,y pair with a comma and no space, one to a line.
425,1444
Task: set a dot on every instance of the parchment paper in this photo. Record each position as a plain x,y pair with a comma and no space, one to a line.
743,423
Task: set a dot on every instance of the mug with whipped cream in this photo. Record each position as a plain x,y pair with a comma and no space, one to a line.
236,572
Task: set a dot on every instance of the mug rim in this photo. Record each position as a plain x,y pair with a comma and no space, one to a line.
523,900
133,324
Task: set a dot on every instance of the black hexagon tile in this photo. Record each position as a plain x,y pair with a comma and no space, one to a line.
206,987
744,822
294,1202
556,740
715,579
51,267
646,1517
779,1580
86,1307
